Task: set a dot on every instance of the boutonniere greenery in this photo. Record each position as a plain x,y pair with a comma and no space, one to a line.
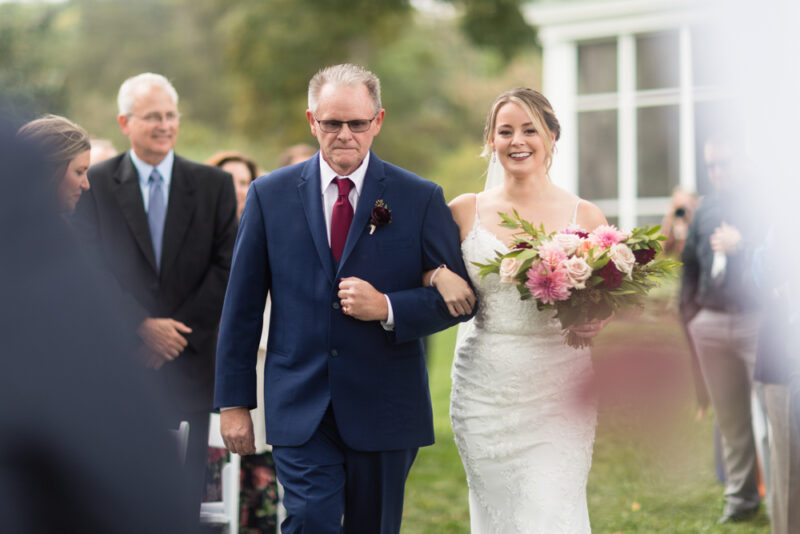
381,215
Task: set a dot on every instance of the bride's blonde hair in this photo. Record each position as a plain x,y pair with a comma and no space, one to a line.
538,109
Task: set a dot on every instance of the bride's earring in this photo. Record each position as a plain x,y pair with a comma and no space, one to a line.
494,156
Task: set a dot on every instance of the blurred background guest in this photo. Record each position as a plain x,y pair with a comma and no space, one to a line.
84,446
164,227
65,146
720,310
102,149
675,224
296,154
243,169
258,493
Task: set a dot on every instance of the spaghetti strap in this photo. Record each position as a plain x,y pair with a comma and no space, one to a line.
575,213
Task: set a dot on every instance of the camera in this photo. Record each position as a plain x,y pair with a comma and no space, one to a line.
679,212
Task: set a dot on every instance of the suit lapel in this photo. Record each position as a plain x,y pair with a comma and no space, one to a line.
372,191
179,213
129,196
311,198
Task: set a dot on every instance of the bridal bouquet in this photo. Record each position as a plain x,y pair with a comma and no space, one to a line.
582,275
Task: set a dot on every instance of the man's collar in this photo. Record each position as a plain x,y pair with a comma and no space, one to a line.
144,169
327,174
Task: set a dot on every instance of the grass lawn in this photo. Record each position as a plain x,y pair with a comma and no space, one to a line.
653,468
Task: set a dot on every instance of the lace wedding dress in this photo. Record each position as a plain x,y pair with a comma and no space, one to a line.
524,436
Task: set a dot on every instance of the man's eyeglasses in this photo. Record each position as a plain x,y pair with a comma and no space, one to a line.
170,117
356,126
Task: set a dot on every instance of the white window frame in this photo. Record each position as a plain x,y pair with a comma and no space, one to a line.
562,28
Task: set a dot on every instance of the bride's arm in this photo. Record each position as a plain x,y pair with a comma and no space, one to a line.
455,291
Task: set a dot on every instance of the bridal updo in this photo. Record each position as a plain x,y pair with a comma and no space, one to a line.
538,109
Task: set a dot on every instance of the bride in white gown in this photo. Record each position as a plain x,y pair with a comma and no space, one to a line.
524,435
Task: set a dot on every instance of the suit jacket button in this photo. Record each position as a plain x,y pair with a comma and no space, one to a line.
334,352
336,305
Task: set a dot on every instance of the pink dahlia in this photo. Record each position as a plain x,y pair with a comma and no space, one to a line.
551,253
548,284
606,236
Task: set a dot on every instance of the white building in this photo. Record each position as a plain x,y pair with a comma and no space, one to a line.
634,85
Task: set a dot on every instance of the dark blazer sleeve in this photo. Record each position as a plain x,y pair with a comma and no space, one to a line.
243,311
204,305
421,311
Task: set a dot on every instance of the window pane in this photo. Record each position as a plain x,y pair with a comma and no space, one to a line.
707,69
657,149
597,68
657,58
597,159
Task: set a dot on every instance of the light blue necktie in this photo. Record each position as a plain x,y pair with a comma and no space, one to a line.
156,213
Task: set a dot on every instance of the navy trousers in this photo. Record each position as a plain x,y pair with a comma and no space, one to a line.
330,488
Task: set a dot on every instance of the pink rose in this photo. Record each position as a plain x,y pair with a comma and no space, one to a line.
606,236
578,272
548,284
509,268
551,253
623,257
568,242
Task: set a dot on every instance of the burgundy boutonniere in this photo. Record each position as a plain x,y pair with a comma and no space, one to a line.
381,216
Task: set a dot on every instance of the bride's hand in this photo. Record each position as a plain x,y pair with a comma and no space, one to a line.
455,291
592,328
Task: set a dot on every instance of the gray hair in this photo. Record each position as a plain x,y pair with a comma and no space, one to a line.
344,74
140,82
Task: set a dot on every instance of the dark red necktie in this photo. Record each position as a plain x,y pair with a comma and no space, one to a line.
341,217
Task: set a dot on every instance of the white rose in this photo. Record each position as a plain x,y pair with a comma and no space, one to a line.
578,271
568,242
509,268
623,257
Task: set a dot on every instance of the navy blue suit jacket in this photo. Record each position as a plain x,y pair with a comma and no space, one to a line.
376,381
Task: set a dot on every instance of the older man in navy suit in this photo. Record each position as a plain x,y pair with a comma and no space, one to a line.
341,243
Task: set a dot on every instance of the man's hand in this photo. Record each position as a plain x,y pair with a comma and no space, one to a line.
725,239
163,336
362,301
236,428
151,359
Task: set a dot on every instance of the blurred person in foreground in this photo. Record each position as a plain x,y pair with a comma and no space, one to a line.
258,493
102,149
721,312
83,446
346,391
164,228
777,364
66,149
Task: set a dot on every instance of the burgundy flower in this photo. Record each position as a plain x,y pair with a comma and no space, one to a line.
611,276
644,255
381,216
522,244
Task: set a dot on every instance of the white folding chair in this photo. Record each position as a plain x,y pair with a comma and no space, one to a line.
226,511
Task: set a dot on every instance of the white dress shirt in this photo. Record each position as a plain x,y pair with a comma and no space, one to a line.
144,169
